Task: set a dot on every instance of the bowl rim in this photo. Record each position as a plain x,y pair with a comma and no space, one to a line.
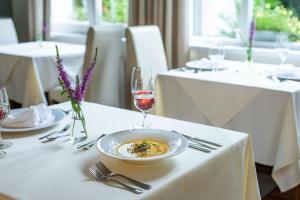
166,155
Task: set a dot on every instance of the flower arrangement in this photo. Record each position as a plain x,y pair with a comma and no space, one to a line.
75,91
250,42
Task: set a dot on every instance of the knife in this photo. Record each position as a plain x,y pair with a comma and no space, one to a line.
91,142
198,139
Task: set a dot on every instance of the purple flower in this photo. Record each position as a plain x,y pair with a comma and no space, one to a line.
252,32
88,74
45,29
250,42
62,73
76,94
87,77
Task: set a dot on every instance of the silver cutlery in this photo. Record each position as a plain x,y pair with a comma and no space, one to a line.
55,137
65,111
90,144
199,139
61,131
199,148
100,177
109,173
203,145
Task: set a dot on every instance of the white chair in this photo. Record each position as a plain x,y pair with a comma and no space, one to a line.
145,48
105,85
8,34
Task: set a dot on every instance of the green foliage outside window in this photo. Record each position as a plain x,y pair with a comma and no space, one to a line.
115,11
273,16
80,10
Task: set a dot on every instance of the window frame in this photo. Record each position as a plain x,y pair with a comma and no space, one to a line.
246,15
93,18
197,18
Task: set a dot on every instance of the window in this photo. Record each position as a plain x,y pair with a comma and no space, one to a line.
217,18
70,11
230,19
115,11
75,16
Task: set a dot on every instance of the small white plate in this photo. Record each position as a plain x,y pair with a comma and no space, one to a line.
109,144
59,115
203,64
289,75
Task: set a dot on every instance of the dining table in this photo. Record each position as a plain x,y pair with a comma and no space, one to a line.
251,99
58,170
28,69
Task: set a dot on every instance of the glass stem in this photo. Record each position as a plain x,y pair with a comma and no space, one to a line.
0,136
144,119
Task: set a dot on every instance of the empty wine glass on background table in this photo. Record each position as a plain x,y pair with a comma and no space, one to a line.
143,92
216,55
4,111
282,47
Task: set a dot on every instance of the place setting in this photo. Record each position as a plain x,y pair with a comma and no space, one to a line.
22,120
142,145
130,100
213,63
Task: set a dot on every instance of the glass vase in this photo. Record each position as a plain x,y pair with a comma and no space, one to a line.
78,125
249,59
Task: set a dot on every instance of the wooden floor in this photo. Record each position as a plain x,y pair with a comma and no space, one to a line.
275,194
293,194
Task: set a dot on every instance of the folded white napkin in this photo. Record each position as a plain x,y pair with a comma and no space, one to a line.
30,117
289,74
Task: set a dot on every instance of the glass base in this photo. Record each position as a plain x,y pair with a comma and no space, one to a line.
2,154
142,126
5,144
75,140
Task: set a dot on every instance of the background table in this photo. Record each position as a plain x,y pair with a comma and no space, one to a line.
28,69
244,101
57,170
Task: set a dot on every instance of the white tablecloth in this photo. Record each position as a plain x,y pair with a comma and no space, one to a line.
243,101
57,170
28,70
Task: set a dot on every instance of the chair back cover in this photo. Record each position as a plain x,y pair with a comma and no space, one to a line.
145,48
105,87
8,34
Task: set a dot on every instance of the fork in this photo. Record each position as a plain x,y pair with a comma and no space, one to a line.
100,177
109,173
61,131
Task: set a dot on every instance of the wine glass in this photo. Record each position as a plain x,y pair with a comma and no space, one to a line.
4,111
216,55
282,47
143,92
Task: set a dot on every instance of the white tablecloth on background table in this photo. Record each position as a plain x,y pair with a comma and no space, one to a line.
28,69
57,170
244,101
